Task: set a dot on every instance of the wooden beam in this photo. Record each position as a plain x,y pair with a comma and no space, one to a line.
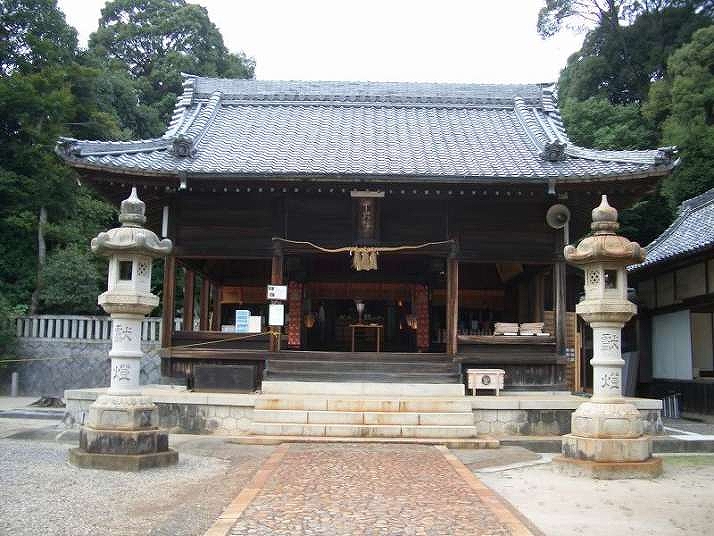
188,291
204,298
169,299
452,304
276,272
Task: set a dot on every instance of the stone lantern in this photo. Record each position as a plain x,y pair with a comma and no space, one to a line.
606,439
122,427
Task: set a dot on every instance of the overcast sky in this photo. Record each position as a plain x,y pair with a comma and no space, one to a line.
480,41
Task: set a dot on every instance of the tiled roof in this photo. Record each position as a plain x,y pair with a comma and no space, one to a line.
456,131
691,232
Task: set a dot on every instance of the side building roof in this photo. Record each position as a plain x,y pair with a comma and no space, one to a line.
416,131
691,232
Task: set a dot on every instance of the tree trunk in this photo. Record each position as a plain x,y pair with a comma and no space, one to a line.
41,258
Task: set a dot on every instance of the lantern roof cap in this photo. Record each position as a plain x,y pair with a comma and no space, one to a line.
131,237
604,245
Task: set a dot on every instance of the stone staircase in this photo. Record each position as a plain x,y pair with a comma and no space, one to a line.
363,410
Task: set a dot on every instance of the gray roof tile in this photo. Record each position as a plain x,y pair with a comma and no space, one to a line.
692,231
255,128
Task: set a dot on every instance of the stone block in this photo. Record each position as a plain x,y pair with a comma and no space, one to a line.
439,431
483,427
122,462
360,405
507,415
607,421
229,423
438,405
121,441
346,430
386,430
366,389
222,411
607,450
449,419
498,428
123,413
494,402
280,415
647,469
490,415
395,418
291,403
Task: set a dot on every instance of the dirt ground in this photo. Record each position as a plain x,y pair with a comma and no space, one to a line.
677,503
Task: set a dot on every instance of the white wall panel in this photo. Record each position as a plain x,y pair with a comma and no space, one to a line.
672,346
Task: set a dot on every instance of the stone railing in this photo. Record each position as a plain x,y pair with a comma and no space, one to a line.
85,328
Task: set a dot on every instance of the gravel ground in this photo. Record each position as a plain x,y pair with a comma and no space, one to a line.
43,495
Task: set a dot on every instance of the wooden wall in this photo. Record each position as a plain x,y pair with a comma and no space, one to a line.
242,225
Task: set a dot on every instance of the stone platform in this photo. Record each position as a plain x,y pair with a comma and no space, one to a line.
233,414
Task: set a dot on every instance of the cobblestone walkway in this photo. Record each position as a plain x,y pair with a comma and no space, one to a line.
367,489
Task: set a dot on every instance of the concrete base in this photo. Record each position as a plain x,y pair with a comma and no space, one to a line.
122,462
651,468
607,450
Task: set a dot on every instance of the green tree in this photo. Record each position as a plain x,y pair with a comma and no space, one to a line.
43,94
606,90
685,99
33,35
154,41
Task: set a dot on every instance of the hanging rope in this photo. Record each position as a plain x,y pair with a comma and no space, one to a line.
364,257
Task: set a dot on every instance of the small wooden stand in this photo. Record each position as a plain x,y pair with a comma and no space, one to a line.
377,327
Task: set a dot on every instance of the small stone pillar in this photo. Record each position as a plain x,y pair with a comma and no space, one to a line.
606,439
122,428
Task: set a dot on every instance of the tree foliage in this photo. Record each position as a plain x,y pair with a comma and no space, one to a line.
49,88
685,99
153,41
617,91
33,35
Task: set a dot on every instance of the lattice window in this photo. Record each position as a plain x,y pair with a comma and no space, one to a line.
592,278
142,269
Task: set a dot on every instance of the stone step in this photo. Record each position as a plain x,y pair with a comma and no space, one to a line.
360,404
363,417
362,430
362,376
380,357
364,388
451,443
324,365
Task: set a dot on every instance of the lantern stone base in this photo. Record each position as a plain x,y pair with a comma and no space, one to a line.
607,450
122,462
121,434
650,468
607,420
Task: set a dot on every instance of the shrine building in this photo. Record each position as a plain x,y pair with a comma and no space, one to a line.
419,229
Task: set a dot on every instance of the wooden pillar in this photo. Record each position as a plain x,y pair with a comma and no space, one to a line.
188,288
169,299
538,297
216,318
276,278
204,298
452,303
559,301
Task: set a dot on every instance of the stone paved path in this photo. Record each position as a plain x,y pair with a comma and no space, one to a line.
366,489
